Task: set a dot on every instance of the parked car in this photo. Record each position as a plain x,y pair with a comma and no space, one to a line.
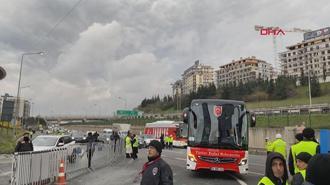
47,142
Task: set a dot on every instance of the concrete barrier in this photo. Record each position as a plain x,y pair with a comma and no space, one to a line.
257,137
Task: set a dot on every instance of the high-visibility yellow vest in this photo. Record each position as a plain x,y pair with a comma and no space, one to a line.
136,143
303,146
267,181
303,173
279,146
170,139
166,139
268,146
128,142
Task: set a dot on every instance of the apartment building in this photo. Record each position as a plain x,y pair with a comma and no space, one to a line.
244,70
8,108
309,57
196,76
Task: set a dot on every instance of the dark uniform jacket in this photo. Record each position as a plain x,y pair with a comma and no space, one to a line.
24,146
157,172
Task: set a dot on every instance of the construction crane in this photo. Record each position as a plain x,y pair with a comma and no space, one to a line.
277,28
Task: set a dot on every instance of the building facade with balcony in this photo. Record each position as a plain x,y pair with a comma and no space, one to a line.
244,70
197,76
309,57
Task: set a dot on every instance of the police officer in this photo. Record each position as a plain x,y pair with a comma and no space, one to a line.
135,146
307,145
156,171
276,172
279,145
128,145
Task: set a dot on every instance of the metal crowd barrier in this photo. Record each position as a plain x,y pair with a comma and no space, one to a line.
42,167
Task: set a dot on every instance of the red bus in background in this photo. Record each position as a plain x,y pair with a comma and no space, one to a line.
177,129
217,135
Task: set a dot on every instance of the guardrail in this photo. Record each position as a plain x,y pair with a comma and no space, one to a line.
42,167
303,109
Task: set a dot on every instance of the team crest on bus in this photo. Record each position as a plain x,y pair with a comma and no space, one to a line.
217,110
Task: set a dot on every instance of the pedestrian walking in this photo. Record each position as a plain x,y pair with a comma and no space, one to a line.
25,144
279,145
308,145
302,163
128,145
156,171
276,172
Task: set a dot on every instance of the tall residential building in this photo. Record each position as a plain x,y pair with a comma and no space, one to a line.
196,76
8,107
311,56
244,70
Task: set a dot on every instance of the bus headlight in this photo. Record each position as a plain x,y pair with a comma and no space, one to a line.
191,157
243,162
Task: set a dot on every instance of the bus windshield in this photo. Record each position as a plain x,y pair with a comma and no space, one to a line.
182,131
214,125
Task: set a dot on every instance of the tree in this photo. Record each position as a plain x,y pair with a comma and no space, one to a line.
315,87
270,88
303,79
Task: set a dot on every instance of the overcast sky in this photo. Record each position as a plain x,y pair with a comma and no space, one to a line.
133,49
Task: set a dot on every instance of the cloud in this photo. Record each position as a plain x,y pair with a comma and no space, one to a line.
133,48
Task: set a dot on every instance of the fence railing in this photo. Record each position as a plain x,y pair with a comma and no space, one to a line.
42,167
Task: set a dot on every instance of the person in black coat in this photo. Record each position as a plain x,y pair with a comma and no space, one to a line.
24,145
156,171
318,169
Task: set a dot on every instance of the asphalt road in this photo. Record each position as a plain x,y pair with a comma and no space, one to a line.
126,171
5,170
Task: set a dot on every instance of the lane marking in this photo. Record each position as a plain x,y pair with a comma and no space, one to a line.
237,179
181,159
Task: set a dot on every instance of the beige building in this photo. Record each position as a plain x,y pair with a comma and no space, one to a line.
244,70
312,56
196,76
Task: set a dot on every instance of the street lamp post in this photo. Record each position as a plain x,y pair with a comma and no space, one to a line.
310,98
16,117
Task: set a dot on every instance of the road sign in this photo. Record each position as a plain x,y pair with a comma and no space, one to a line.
127,113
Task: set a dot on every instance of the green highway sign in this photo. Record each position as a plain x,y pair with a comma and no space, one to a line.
127,113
